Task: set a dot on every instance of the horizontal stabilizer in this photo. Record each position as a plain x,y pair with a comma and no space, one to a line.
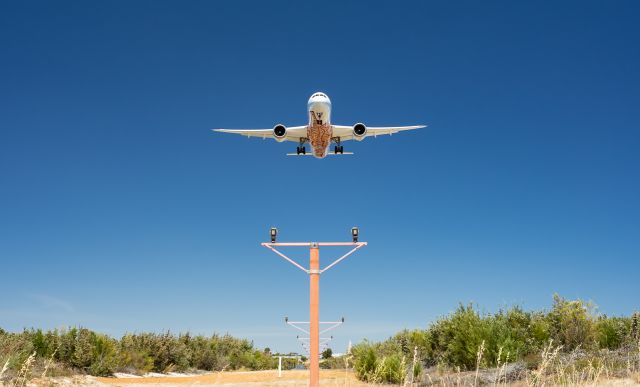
328,154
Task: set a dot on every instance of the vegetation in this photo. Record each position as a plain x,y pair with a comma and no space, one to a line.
61,352
568,344
467,340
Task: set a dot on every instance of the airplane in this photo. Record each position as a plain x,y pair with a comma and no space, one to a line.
319,132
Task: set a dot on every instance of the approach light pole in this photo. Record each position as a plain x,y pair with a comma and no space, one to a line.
314,272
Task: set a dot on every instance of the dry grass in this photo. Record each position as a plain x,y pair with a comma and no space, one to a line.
539,376
48,363
4,368
576,368
502,367
25,371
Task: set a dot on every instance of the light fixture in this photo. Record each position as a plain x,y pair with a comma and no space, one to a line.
274,233
354,234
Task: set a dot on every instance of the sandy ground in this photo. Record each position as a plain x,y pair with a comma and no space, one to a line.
266,378
256,378
250,378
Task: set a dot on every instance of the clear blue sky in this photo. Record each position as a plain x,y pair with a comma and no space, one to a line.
121,211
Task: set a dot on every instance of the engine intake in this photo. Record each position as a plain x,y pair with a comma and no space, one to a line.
359,131
279,132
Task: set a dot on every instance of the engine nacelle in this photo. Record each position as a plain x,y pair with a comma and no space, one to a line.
359,131
279,132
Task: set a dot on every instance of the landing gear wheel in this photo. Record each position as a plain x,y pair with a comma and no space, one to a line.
304,150
297,150
336,149
341,149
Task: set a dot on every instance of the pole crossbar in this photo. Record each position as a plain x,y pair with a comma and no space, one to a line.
323,340
302,244
333,325
321,322
271,247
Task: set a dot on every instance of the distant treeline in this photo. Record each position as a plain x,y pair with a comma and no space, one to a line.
62,352
514,334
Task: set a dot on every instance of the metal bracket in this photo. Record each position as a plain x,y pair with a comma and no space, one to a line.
332,325
314,245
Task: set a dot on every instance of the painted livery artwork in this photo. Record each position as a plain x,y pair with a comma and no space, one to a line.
318,134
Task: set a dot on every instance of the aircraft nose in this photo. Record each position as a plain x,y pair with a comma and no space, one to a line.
319,97
322,99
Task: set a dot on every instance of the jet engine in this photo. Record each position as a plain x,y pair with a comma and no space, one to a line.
359,131
279,132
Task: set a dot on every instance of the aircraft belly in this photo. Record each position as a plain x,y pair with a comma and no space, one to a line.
320,138
319,131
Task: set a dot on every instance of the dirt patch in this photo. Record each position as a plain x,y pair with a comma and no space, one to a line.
257,378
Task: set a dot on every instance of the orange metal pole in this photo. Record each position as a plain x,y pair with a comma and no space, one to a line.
314,315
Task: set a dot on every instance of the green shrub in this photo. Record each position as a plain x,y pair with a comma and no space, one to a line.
104,355
365,361
611,332
390,370
333,363
509,335
572,323
417,370
97,354
456,339
204,355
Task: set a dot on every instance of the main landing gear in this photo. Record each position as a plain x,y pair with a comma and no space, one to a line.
301,149
337,148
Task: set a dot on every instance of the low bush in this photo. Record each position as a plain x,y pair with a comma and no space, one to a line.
509,335
80,349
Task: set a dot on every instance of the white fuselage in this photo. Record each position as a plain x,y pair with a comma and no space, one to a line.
319,130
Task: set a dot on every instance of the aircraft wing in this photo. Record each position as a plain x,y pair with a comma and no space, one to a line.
346,132
294,133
